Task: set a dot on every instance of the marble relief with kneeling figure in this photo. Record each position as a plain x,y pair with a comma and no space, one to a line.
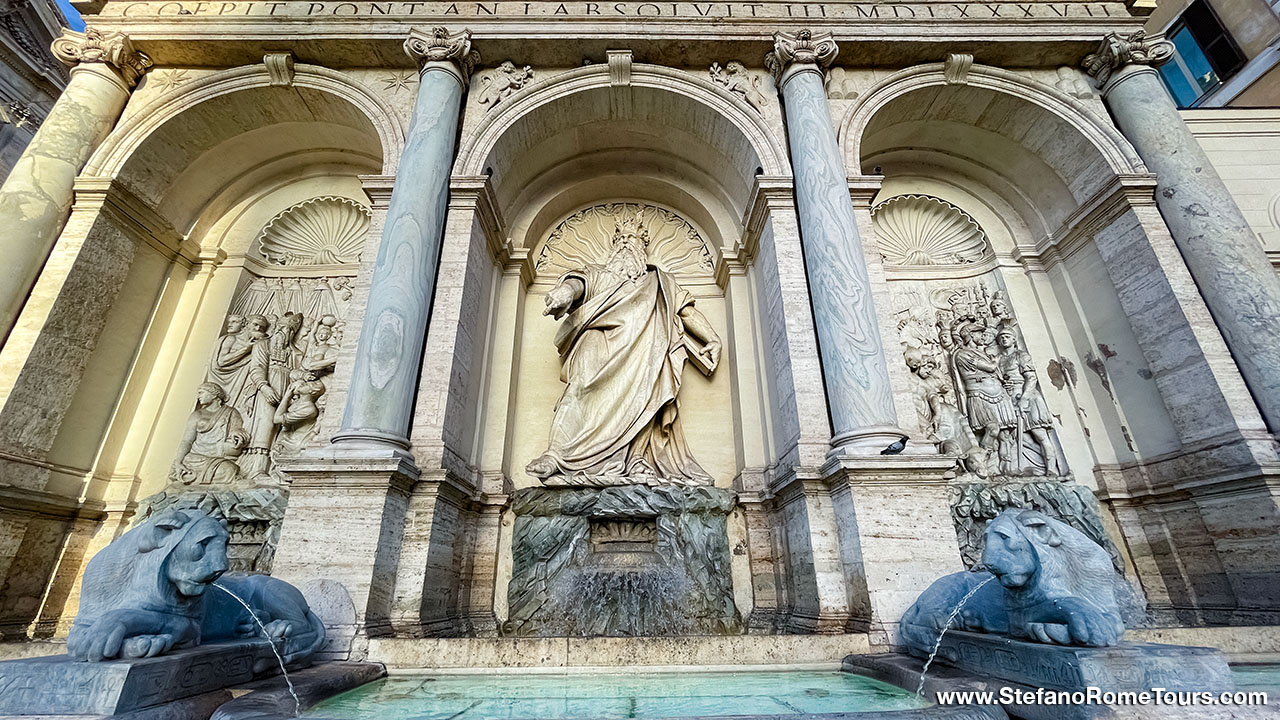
625,516
978,395
264,391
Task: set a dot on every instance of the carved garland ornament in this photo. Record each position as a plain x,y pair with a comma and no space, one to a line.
924,230
95,46
586,236
325,230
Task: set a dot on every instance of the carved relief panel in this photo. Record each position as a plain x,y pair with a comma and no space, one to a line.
265,385
978,393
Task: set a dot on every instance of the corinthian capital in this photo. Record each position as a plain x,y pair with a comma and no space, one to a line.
439,45
95,46
801,47
1116,51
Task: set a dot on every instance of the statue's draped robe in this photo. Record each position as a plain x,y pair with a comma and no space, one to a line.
210,461
623,349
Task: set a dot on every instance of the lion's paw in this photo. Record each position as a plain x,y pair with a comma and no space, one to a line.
145,646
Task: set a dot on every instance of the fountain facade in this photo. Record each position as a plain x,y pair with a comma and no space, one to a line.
528,326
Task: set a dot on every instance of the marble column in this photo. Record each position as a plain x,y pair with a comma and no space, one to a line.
854,370
380,399
1224,256
36,196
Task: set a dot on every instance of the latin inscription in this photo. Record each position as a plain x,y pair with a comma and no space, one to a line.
683,10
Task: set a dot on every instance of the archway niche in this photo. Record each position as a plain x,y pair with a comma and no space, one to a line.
977,223
566,169
204,171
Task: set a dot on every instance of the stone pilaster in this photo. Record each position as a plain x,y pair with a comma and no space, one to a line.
1225,258
380,398
859,396
36,196
817,589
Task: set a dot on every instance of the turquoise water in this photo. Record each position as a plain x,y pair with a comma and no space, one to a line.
607,696
1258,677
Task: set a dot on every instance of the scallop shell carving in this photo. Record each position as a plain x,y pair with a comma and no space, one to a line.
924,230
324,230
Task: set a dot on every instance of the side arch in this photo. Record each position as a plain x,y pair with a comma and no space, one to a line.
1104,137
116,150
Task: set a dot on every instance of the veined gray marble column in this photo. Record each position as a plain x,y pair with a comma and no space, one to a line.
1238,283
385,374
36,197
854,370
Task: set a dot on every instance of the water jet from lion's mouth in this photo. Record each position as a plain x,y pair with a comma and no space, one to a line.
297,704
947,626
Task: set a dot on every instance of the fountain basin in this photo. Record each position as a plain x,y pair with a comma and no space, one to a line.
603,696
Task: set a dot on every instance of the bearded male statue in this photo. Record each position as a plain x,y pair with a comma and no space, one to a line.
628,329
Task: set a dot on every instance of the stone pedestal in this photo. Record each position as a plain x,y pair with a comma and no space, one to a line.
345,523
1126,667
59,685
1051,670
893,513
625,560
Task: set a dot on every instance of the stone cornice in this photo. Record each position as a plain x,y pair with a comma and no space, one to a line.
863,190
111,48
1113,200
378,189
133,216
767,193
18,499
440,46
1116,51
476,194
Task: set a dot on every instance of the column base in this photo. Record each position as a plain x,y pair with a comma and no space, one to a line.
363,443
873,440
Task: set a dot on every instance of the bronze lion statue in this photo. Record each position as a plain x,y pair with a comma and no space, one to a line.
1052,585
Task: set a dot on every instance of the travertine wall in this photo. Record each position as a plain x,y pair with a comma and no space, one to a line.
1244,146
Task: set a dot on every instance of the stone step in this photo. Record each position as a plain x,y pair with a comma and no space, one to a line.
650,652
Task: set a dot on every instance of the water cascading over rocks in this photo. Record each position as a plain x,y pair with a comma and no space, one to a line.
670,575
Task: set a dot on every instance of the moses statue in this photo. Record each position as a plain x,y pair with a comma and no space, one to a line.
628,330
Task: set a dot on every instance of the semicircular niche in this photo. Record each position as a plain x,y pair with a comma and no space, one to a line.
925,230
586,237
325,230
